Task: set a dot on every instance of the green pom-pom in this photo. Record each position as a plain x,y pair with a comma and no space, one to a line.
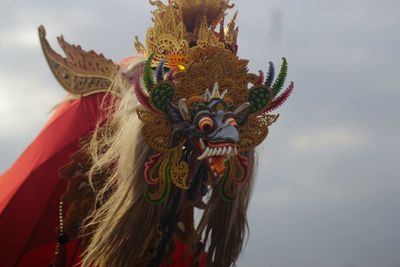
259,97
162,94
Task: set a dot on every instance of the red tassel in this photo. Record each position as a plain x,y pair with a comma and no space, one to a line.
260,78
280,99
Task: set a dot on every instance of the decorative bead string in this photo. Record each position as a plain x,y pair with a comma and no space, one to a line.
62,238
60,217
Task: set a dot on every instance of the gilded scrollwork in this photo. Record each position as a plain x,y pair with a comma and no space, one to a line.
255,130
80,72
179,169
155,129
186,25
211,65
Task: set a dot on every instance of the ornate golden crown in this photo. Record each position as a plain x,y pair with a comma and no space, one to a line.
186,25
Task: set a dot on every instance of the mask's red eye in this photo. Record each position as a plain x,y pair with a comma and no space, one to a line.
206,124
231,122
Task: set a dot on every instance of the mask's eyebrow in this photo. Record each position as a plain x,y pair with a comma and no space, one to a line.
196,109
201,113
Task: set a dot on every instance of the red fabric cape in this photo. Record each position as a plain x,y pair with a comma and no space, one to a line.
31,189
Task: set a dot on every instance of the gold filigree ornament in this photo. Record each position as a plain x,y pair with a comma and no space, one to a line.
155,129
81,73
185,25
167,36
170,168
210,65
231,34
157,133
207,38
255,130
160,189
179,168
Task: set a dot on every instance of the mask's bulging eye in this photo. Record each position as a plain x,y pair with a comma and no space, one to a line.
231,122
206,124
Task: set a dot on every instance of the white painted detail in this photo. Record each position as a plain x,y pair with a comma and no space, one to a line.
203,146
181,226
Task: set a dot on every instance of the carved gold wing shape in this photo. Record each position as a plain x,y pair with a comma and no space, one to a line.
80,72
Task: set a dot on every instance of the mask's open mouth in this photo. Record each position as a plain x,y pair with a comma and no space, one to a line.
216,154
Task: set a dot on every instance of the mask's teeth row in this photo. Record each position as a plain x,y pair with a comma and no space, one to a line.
218,151
232,151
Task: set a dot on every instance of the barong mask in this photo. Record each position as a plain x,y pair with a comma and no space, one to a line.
200,105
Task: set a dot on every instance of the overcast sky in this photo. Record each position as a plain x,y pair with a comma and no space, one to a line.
328,185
